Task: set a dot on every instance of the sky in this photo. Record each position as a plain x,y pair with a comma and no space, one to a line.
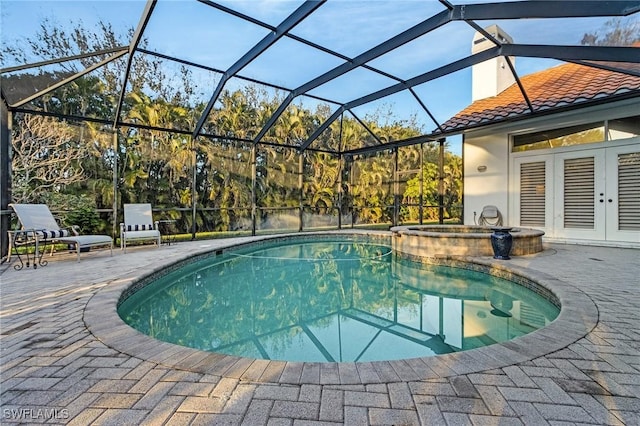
197,32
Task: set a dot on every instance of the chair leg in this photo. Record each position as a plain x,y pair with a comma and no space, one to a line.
10,246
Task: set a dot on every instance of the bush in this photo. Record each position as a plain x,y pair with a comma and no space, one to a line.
77,210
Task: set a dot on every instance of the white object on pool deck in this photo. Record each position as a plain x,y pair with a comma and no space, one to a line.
138,225
38,218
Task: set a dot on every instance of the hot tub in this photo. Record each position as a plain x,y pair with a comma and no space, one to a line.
460,240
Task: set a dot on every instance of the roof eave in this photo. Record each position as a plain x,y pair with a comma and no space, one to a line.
539,113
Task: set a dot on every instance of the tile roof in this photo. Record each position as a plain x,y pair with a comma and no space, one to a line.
563,85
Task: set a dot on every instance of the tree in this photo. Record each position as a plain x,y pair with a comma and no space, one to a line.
155,164
155,161
618,32
321,179
93,95
452,187
370,188
46,158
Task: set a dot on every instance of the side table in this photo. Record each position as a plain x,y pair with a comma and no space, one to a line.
27,238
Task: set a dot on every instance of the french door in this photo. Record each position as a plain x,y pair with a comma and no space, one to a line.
623,193
580,195
589,194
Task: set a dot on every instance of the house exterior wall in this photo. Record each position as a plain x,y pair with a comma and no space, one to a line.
488,187
491,147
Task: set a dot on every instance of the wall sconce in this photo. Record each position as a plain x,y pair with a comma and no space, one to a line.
482,169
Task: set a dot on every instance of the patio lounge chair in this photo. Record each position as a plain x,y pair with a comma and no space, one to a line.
38,219
138,225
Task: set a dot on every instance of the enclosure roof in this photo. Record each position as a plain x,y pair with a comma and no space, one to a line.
561,86
375,64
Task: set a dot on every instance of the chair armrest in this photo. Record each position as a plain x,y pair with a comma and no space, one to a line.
60,221
156,225
75,229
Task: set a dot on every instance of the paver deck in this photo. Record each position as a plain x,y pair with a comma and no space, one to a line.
65,359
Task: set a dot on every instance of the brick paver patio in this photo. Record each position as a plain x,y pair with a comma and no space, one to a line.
65,358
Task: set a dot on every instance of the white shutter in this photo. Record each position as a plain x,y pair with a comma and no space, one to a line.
629,191
579,189
532,194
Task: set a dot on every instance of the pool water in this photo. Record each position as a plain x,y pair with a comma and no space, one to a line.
331,301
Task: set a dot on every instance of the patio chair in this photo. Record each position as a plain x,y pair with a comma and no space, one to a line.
43,227
138,225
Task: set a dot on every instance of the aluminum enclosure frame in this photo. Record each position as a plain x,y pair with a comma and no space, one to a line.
593,56
468,13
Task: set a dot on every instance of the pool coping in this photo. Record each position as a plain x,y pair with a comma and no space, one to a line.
577,318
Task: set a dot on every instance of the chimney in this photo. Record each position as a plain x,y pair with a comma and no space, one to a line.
491,77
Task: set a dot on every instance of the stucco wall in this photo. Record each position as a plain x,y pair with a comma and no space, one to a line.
489,187
490,147
490,78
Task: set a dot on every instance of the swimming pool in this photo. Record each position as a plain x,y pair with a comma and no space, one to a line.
331,300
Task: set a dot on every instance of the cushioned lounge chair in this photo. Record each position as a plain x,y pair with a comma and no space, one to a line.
38,219
138,225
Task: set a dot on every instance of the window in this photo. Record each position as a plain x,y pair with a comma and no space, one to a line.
556,138
621,128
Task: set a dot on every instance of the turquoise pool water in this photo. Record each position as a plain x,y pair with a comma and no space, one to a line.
331,301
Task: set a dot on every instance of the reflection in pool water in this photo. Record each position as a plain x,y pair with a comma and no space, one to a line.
331,301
